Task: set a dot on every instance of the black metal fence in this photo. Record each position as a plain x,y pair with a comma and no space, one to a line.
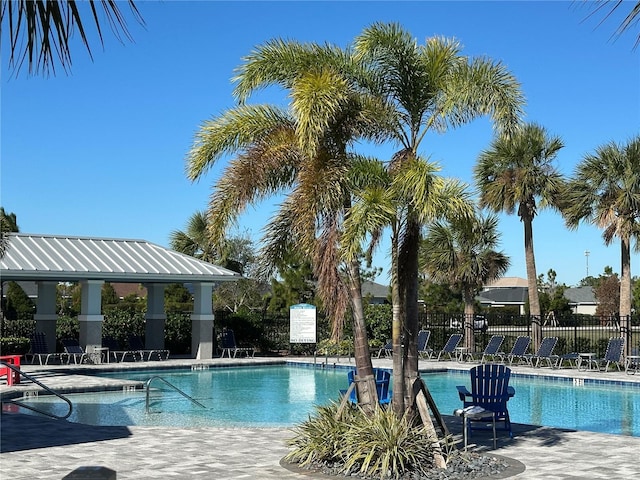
576,333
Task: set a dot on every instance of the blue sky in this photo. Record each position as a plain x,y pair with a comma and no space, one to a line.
101,152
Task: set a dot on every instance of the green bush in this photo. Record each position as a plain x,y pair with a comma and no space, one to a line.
378,445
67,327
17,328
177,333
120,323
378,319
14,345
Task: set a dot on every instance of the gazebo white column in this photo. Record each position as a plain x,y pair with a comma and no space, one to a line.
155,317
90,318
46,315
202,321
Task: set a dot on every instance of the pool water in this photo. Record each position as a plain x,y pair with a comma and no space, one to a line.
282,396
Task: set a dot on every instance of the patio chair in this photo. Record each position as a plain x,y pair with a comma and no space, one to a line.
116,352
383,380
386,350
423,339
518,351
490,391
490,351
450,347
544,353
613,355
40,350
72,349
136,343
228,345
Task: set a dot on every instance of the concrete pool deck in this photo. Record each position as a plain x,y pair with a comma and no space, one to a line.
34,447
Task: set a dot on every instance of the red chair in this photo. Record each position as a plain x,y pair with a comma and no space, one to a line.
12,375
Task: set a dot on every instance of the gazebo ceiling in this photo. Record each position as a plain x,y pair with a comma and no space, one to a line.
66,258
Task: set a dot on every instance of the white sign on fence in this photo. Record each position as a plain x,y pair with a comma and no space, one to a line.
302,323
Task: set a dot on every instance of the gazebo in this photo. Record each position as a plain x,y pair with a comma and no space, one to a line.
50,259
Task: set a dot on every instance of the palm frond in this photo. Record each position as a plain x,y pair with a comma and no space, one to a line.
40,31
234,130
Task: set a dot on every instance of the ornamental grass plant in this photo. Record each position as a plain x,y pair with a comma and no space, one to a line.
380,445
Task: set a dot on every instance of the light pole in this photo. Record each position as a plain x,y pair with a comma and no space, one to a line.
586,254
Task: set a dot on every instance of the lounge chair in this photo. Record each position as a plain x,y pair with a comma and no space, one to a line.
573,358
518,351
386,350
72,349
544,353
137,344
490,351
116,352
229,346
490,390
632,362
450,347
613,355
40,350
423,339
383,380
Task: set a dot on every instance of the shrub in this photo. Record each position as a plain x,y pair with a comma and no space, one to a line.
14,345
177,333
378,445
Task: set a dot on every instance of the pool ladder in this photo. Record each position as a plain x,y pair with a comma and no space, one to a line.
34,409
156,377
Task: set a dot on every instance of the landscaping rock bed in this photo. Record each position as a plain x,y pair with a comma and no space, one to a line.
464,466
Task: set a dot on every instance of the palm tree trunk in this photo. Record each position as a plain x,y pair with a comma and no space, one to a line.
625,292
408,258
366,389
469,340
397,404
532,283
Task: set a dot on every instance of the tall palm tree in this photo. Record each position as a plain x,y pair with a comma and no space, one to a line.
41,30
430,87
461,253
605,191
302,153
382,196
516,174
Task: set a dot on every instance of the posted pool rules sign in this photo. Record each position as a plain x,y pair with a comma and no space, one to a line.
302,323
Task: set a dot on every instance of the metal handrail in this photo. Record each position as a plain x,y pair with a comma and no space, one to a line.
156,377
34,409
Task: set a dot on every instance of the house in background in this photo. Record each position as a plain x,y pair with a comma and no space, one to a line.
505,292
513,291
375,293
582,300
123,290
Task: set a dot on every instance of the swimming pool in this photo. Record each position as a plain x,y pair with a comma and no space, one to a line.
282,396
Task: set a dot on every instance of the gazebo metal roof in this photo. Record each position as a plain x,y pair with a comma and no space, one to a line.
66,258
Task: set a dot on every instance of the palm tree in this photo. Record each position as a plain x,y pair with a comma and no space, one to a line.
41,30
195,240
462,254
429,87
8,224
302,153
382,197
516,172
605,192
